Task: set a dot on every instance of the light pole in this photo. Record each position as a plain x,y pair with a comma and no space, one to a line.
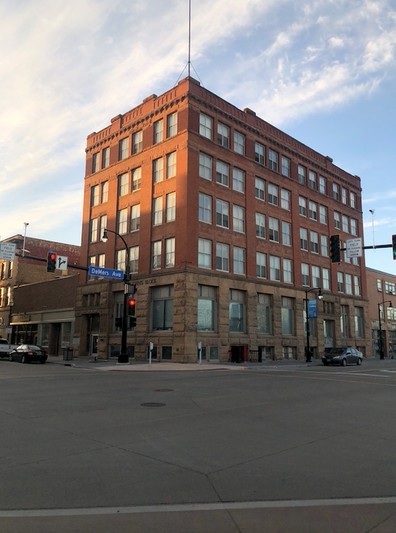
380,339
308,357
123,356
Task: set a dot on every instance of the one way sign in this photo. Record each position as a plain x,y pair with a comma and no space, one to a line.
61,262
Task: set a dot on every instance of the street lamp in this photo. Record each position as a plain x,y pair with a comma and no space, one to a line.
380,339
308,358
123,356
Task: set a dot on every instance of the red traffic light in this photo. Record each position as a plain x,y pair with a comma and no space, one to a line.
51,261
131,306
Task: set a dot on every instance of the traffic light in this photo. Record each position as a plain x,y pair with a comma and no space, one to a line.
51,261
394,246
335,248
132,311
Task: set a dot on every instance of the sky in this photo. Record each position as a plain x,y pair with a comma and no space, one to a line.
323,71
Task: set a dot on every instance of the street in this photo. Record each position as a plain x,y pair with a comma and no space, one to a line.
240,448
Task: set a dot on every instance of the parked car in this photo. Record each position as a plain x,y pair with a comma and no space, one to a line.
5,347
342,356
26,353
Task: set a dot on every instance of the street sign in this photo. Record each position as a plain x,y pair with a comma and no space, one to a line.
354,247
105,272
7,251
61,262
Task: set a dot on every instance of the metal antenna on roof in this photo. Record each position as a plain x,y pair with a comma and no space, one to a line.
189,39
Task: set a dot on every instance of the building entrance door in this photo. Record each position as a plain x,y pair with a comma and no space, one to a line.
328,331
93,345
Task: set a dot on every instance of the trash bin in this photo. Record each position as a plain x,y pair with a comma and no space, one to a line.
67,354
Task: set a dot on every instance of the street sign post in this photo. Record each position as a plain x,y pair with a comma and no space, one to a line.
105,272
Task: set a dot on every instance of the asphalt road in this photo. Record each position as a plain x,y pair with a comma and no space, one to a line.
218,448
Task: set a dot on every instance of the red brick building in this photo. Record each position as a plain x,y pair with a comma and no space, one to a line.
226,222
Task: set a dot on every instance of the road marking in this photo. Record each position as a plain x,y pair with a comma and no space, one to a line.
193,507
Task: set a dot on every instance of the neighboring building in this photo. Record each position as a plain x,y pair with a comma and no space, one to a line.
29,266
381,290
43,314
227,222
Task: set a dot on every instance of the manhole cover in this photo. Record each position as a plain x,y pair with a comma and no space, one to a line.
153,404
164,390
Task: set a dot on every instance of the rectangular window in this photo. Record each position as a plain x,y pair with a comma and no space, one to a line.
273,229
162,307
287,271
313,184
272,194
222,257
204,253
345,224
261,265
123,221
340,282
95,162
205,166
286,234
102,225
315,276
273,160
304,239
136,179
264,314
105,157
323,214
156,255
302,206
104,192
348,284
237,311
322,185
222,214
171,125
134,259
314,241
223,135
239,143
359,325
206,312
94,230
222,173
285,199
205,126
274,268
259,153
170,252
260,225
158,131
302,175
352,199
170,208
344,321
336,191
313,211
326,279
324,246
171,165
238,180
337,220
135,217
205,208
305,281
285,162
238,219
353,224
157,211
287,316
123,149
123,184
95,195
259,188
121,259
239,261
101,260
158,170
137,142
344,196
356,285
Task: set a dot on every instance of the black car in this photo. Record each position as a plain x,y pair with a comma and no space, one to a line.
342,356
26,353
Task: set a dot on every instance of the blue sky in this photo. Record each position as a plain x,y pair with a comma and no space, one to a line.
323,71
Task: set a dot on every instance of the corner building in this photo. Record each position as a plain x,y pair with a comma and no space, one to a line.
226,221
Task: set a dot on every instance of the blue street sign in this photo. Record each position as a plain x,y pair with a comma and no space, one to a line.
105,272
312,309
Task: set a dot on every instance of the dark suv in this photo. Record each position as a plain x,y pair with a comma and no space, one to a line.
342,356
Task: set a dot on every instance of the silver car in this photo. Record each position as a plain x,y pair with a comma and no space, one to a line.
342,356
